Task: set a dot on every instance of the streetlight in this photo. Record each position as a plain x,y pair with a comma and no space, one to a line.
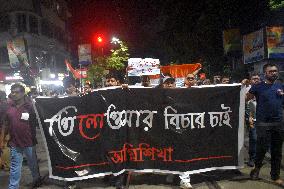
115,40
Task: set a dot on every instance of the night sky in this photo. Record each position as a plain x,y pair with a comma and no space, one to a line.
174,31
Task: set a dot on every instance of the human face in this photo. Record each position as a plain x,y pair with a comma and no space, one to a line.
17,94
206,82
254,79
225,80
111,82
87,88
189,80
271,73
71,89
169,85
217,79
146,83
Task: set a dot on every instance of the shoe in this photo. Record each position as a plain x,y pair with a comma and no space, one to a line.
279,182
70,187
250,163
185,185
38,182
170,178
254,174
119,185
120,181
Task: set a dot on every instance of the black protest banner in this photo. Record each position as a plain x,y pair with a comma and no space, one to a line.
157,130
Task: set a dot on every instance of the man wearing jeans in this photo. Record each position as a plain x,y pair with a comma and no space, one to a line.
269,120
21,121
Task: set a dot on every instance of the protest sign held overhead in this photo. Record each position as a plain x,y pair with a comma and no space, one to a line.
139,66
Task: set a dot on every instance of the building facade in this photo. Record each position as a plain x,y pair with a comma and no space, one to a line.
43,24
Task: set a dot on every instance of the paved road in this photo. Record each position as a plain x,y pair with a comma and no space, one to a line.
229,179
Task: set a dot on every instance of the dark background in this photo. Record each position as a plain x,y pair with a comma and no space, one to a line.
175,31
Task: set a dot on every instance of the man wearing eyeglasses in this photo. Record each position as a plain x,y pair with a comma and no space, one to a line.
21,122
269,122
190,81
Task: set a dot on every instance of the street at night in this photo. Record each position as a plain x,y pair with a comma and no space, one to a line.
148,94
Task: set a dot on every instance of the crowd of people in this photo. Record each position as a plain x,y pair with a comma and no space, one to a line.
264,122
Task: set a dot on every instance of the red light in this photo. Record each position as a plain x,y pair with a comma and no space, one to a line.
100,39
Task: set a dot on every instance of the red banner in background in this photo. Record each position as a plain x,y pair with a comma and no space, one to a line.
178,71
77,73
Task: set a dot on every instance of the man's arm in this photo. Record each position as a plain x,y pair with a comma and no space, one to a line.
249,96
196,71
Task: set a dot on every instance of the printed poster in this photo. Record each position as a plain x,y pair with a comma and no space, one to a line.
275,42
231,40
147,66
253,47
17,53
85,54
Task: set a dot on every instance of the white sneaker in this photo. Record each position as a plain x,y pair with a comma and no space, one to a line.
185,185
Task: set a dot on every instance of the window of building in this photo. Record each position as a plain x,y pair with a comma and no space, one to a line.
60,62
21,22
59,35
33,21
45,28
4,57
4,23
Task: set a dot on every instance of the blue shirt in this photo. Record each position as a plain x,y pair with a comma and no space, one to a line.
269,102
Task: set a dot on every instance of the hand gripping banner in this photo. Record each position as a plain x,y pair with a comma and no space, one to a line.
144,130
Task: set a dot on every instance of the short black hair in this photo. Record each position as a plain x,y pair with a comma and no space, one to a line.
19,86
145,78
67,81
268,65
116,75
225,76
112,75
254,74
88,84
167,74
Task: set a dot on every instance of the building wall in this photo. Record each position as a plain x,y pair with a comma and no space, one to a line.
12,5
43,26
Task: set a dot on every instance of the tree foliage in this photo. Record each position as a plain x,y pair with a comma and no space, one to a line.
115,61
118,57
96,70
276,4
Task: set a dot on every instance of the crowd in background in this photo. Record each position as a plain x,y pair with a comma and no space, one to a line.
74,87
266,94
